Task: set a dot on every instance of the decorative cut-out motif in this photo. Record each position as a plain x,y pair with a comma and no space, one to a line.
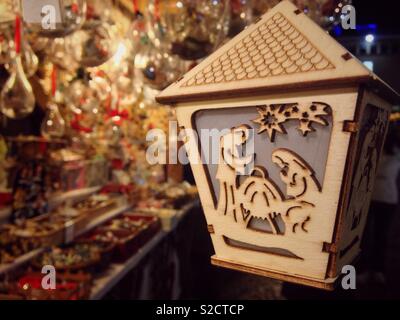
257,193
275,48
300,182
370,144
252,247
257,197
272,117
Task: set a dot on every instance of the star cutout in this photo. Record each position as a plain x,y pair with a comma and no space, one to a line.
270,120
272,117
309,114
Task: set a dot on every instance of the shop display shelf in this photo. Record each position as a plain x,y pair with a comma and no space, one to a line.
70,236
56,200
73,195
105,282
4,268
102,285
103,218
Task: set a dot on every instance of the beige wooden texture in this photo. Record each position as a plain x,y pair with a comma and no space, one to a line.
316,208
365,155
328,284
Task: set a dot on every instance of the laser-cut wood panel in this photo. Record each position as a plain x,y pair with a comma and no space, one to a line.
289,237
275,48
366,150
299,212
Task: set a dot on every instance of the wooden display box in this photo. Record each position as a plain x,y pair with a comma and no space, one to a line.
87,215
318,118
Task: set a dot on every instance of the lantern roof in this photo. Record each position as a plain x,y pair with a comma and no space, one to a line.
283,50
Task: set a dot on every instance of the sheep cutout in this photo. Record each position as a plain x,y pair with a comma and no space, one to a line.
257,196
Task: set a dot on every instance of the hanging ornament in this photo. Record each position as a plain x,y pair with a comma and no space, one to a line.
53,125
129,81
94,44
137,33
30,61
241,16
113,120
80,97
17,99
59,51
193,28
326,13
72,16
86,100
158,67
100,83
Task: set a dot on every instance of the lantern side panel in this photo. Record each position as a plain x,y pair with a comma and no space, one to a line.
278,215
373,123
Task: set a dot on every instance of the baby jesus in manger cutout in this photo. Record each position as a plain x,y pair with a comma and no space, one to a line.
257,196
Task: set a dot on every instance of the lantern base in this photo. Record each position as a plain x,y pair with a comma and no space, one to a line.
327,284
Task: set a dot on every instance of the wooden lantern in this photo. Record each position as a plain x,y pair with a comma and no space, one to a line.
319,118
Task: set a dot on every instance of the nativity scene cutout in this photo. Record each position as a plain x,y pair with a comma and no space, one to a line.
254,200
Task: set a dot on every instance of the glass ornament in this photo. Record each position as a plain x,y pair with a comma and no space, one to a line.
17,99
95,44
53,125
158,68
194,29
80,97
30,61
100,83
59,52
137,33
